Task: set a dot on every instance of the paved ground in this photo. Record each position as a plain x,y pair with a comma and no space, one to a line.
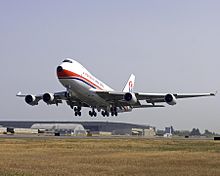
95,137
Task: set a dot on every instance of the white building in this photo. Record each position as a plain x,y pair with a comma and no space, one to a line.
66,128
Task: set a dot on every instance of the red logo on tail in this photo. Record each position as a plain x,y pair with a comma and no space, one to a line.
130,85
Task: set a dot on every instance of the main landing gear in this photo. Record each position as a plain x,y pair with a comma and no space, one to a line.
113,112
77,111
105,113
92,113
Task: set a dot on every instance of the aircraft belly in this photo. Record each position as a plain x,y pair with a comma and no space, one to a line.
82,92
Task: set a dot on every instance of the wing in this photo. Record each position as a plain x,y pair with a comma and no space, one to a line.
161,97
134,99
30,99
52,98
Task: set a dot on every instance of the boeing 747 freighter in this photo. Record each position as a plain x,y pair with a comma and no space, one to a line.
85,90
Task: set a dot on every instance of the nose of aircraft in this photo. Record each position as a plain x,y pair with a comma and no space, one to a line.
59,69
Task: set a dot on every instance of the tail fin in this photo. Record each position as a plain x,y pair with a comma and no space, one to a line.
130,84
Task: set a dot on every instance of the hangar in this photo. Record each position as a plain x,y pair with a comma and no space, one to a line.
63,128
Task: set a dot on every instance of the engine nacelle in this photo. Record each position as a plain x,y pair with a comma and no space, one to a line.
48,98
31,100
130,98
170,99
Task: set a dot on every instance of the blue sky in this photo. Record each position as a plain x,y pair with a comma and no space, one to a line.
171,46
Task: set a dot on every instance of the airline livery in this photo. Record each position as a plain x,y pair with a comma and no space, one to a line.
85,90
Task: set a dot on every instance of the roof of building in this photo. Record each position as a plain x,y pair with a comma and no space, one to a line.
57,126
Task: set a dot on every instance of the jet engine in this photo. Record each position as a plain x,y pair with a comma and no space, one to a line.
48,98
170,99
51,99
31,100
130,98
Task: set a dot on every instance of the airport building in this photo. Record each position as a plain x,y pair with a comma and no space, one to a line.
81,127
168,132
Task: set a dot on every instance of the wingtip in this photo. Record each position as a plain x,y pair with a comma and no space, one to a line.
19,93
213,94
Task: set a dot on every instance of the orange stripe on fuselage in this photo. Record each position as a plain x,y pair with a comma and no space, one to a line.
69,74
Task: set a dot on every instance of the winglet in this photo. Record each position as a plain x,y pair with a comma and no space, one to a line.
130,84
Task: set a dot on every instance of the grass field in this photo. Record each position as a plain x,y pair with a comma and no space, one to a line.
54,156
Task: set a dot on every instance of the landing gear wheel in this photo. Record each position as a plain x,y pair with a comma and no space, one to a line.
107,113
77,111
114,111
91,113
103,113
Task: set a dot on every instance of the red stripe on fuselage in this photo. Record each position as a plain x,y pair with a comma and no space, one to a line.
69,74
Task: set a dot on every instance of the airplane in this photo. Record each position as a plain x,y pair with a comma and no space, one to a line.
85,90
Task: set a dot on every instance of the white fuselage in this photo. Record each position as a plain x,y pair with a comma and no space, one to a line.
81,83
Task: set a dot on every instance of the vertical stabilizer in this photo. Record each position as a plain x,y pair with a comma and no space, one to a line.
130,84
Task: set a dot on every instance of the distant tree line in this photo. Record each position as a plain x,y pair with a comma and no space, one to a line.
193,132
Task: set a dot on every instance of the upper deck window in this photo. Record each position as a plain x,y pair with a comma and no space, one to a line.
67,60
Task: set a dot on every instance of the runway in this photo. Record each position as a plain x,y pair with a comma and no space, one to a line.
46,136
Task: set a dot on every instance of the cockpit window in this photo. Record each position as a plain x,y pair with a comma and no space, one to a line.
67,60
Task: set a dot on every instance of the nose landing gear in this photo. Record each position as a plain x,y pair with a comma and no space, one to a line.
114,111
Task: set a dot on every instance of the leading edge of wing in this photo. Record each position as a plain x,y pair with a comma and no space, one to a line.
147,106
110,95
143,96
19,94
191,95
